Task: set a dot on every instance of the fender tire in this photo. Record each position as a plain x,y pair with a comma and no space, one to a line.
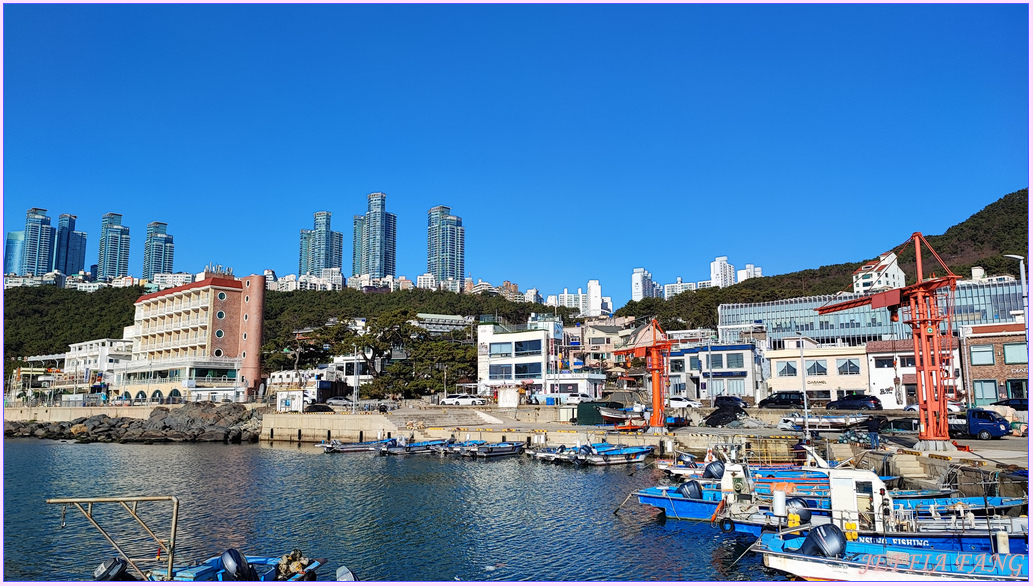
727,525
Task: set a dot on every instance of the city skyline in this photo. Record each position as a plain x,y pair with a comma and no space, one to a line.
577,142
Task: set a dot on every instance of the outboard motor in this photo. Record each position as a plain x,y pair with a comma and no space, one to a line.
113,570
714,470
585,450
798,506
824,540
237,567
691,490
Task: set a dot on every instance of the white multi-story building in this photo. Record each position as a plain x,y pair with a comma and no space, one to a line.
892,374
595,298
704,371
533,296
722,274
453,285
167,280
426,281
642,285
748,273
703,285
523,356
577,300
673,289
877,275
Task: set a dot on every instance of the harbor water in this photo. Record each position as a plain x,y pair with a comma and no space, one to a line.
404,518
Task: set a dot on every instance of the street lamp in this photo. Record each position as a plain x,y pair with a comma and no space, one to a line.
1025,294
803,387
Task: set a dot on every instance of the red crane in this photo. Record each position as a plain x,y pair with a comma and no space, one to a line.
657,353
930,331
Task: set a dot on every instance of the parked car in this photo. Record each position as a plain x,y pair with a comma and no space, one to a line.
683,402
951,407
730,400
859,402
339,402
463,400
319,408
783,400
1016,404
576,398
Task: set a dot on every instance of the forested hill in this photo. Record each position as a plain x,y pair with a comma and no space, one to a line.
45,320
998,229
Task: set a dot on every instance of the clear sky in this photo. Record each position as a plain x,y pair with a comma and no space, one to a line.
577,142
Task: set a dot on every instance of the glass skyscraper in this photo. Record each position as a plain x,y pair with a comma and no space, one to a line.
113,258
13,251
374,238
70,248
320,248
38,248
158,250
446,240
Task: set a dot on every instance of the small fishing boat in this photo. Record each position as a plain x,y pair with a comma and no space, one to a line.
623,416
136,559
336,447
826,553
493,450
617,455
410,448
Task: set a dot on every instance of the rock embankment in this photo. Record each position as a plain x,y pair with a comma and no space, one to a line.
193,422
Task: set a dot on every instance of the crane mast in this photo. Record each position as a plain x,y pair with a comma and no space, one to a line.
657,353
931,334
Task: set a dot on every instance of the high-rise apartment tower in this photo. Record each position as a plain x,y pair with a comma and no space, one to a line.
157,250
320,248
69,247
113,258
373,239
446,242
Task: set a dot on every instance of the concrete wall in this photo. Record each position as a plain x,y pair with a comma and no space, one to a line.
57,414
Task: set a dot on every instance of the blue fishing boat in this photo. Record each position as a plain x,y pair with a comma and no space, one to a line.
410,448
614,455
137,561
337,447
493,450
826,553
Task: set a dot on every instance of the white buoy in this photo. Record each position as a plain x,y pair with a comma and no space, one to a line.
1002,542
778,503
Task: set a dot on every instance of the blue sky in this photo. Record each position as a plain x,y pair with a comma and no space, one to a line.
577,142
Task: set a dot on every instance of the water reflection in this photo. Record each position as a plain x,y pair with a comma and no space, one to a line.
387,518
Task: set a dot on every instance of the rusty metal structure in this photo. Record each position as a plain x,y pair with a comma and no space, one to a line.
929,304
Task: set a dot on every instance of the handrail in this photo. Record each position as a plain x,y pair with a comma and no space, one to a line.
169,545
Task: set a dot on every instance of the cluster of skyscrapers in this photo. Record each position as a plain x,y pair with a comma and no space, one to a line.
374,243
42,248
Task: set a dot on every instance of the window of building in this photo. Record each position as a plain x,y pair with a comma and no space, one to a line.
244,336
736,386
218,352
500,371
735,360
598,341
501,349
717,387
907,361
883,363
1016,354
677,365
848,365
222,296
247,283
984,391
219,333
245,317
816,368
718,360
529,370
528,347
243,354
982,355
694,363
786,368
220,314
246,298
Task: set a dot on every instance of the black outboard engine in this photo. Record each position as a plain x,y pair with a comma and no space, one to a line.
113,570
714,470
237,567
798,506
824,540
691,490
585,450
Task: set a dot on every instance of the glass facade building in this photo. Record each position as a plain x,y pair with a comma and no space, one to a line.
320,248
38,248
446,240
986,301
70,247
373,239
158,250
113,257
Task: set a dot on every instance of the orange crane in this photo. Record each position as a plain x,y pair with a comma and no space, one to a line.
933,345
657,353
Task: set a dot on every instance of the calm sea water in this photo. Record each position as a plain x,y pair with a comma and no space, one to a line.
415,518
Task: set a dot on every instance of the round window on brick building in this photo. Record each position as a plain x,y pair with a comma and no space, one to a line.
246,298
222,296
218,352
219,333
245,317
220,314
247,283
243,354
245,335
